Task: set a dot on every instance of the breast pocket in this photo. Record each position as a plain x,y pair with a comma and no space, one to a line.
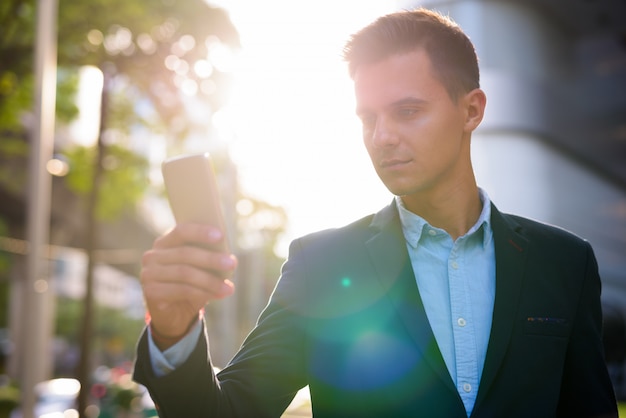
545,325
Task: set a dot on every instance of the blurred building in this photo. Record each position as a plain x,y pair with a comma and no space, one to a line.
552,145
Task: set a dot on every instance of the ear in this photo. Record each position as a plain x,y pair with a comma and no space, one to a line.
474,102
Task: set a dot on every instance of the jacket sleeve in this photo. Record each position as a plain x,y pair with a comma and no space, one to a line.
586,389
186,391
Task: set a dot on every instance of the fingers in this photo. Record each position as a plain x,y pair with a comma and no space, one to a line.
174,293
200,258
191,234
190,245
184,270
169,282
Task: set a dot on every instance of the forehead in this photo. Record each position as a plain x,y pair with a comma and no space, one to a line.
396,77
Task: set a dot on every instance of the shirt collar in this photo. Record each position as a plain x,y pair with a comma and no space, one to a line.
414,225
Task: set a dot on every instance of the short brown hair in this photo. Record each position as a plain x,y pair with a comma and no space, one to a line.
450,50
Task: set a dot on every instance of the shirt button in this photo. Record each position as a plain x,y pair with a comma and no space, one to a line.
467,387
461,321
432,232
455,265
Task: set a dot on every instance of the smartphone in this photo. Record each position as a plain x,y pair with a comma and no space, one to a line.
193,192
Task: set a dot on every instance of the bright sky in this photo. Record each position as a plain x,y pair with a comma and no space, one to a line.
293,132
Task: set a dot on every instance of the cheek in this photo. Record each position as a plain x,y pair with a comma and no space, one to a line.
371,152
433,133
367,142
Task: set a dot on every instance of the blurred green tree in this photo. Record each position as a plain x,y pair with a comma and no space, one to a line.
161,46
17,36
157,51
154,52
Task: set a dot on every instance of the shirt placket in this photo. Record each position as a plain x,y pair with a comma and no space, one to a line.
462,323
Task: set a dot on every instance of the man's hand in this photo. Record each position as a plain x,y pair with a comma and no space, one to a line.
181,274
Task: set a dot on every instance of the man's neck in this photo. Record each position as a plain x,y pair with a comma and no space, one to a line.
454,211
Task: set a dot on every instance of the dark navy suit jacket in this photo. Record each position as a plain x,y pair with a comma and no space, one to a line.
346,318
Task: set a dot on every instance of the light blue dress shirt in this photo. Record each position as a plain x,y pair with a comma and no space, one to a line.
457,283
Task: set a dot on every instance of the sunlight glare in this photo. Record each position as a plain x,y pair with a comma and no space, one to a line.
292,130
84,129
203,68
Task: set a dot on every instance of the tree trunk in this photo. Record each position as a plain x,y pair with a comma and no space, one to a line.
83,372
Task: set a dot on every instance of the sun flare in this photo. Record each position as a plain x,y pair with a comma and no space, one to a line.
290,125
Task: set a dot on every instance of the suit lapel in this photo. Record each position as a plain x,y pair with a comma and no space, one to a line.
511,250
387,250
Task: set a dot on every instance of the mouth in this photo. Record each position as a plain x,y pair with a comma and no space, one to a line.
393,163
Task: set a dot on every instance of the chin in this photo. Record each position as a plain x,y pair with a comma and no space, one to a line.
400,185
399,190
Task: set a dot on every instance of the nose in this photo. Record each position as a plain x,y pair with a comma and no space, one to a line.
384,133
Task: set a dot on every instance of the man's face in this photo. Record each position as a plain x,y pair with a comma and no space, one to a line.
415,134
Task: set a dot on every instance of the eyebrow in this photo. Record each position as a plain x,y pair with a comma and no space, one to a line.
410,100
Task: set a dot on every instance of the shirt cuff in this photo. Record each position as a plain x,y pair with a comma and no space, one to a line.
164,362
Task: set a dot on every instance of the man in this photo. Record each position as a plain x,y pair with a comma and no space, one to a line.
437,306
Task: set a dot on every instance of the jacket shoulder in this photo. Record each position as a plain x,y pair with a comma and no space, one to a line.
329,236
536,230
358,231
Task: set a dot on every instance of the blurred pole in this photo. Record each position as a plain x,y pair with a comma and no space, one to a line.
35,343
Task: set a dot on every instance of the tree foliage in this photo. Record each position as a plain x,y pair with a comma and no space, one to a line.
153,51
133,37
17,48
163,49
154,54
124,182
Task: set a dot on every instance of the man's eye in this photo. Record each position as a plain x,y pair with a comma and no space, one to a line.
406,112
